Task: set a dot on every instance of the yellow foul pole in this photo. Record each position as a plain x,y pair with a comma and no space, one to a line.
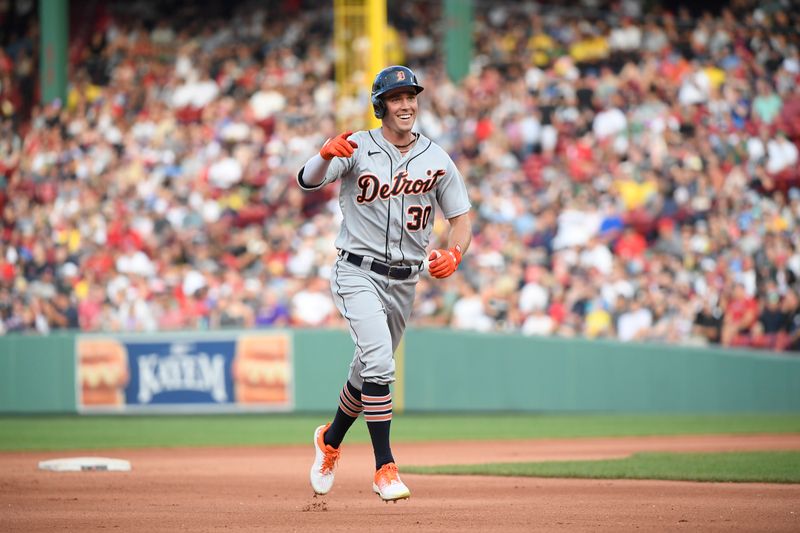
360,41
376,29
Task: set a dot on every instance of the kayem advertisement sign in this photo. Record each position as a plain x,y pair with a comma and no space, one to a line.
185,373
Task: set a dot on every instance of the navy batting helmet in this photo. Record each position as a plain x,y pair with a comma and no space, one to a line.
388,79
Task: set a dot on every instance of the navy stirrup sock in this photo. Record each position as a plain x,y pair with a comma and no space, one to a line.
349,409
377,402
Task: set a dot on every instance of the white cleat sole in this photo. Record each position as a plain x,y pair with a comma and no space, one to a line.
401,496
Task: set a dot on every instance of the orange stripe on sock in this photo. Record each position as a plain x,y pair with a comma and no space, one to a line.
373,408
343,400
375,399
348,411
377,418
350,397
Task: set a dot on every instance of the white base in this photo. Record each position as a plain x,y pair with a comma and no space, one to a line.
86,464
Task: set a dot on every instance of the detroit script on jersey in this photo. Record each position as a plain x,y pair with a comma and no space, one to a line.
371,187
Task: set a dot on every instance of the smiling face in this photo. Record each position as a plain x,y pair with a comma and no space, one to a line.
401,112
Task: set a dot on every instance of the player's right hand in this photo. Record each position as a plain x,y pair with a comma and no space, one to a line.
338,146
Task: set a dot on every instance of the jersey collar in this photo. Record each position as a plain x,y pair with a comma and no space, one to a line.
377,135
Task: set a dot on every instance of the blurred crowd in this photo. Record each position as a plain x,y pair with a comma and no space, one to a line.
634,174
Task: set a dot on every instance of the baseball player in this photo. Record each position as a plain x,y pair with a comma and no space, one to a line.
392,179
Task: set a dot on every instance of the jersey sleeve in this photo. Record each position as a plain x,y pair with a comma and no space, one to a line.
335,170
451,192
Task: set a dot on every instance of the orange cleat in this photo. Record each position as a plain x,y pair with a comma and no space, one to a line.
388,484
325,458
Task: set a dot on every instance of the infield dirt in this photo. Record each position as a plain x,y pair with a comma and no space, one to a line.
266,489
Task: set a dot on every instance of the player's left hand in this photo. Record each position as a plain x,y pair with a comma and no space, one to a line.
444,262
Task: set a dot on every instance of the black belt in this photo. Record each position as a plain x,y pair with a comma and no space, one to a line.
379,267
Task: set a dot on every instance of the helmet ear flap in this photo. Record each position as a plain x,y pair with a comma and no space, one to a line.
378,106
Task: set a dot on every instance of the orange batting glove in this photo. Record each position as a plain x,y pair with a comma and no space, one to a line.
338,146
444,262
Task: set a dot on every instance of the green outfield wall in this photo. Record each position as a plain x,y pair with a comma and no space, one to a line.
37,374
322,362
444,370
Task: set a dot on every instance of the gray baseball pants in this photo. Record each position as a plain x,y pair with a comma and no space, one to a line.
376,309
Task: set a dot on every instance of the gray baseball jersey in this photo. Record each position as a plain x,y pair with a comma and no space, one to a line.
388,201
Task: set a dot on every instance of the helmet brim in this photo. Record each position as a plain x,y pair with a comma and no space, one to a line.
397,88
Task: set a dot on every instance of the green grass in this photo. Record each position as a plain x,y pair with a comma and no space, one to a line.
767,467
101,432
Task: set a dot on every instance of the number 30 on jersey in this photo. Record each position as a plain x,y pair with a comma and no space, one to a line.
418,217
